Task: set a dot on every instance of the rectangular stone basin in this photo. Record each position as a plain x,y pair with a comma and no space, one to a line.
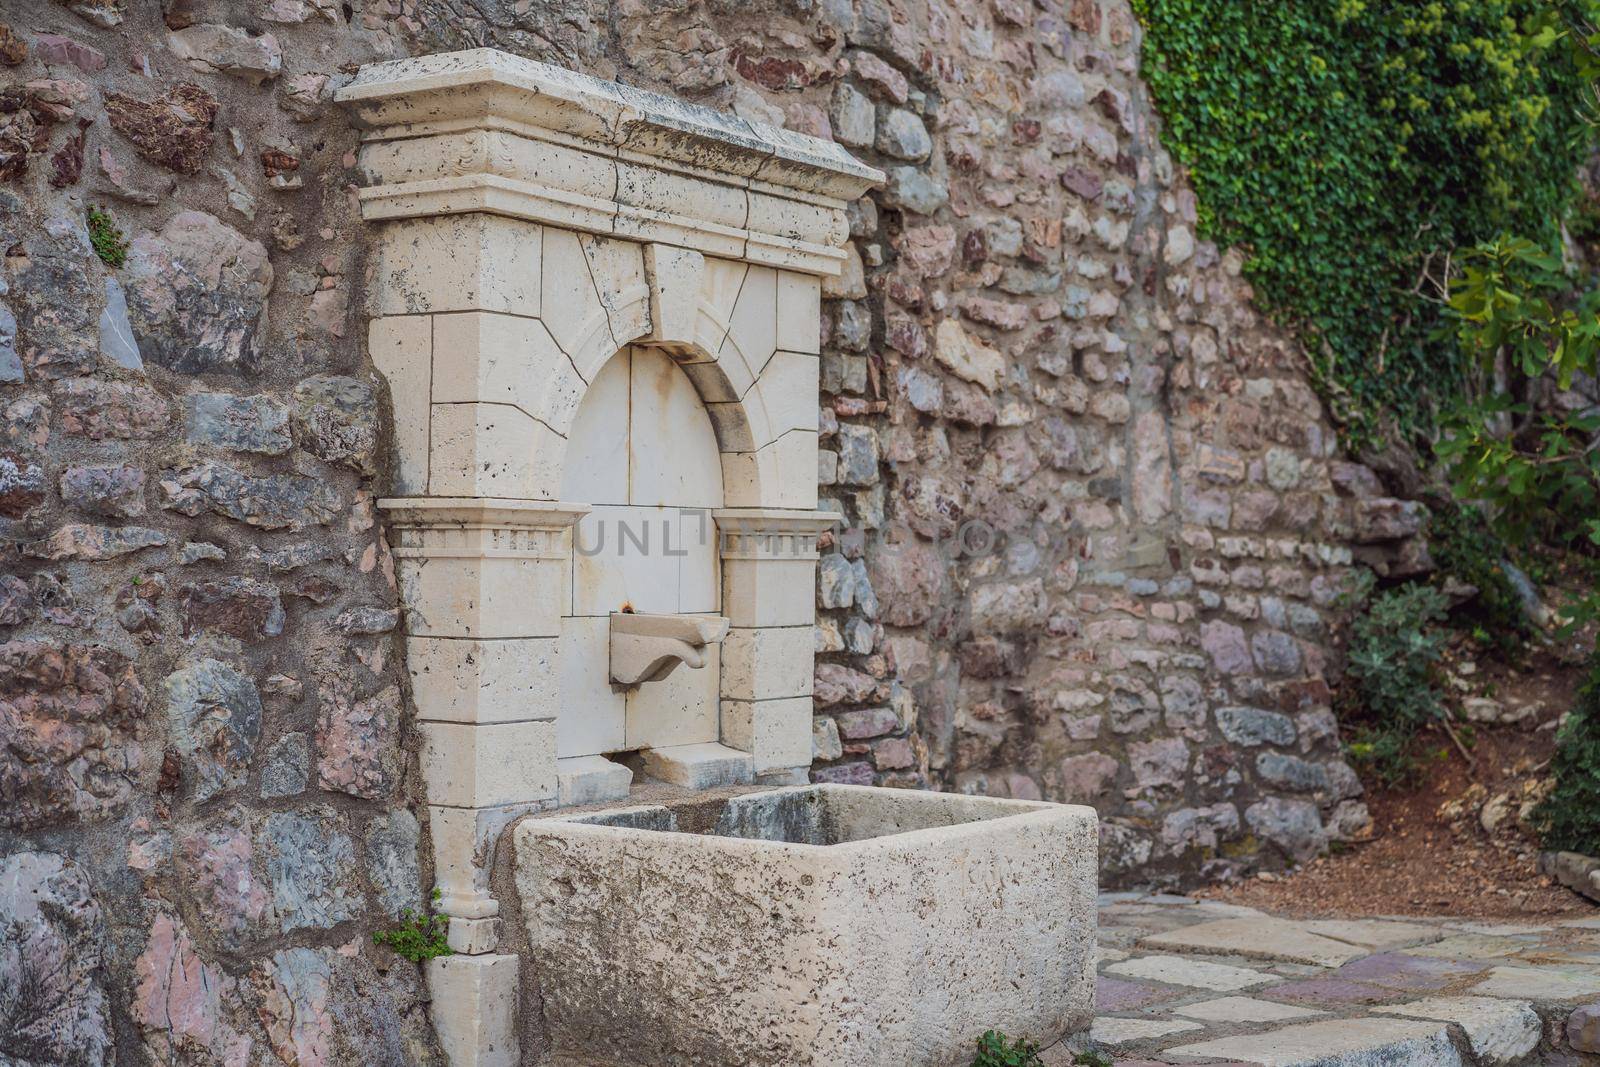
824,924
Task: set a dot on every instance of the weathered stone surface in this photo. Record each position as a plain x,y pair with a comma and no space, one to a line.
336,419
297,1005
1499,1031
110,410
1336,1043
392,863
241,423
115,492
218,865
1292,825
69,721
1255,726
78,541
53,944
212,49
1583,1028
309,856
181,1003
174,130
197,293
244,607
215,714
1387,519
22,485
273,502
286,767
358,742
1199,974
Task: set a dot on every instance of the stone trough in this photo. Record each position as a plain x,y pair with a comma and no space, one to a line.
823,924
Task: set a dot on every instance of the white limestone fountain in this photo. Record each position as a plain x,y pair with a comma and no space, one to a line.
598,313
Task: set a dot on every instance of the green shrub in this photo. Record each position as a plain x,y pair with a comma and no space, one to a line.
1464,546
1569,818
1349,146
418,937
108,241
1393,660
995,1051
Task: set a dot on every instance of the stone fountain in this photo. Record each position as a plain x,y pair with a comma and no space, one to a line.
598,312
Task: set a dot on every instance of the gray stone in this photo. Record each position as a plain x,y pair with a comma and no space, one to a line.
368,621
1175,970
215,713
309,860
10,362
1276,652
1293,825
195,551
286,769
902,135
858,455
1583,1028
1255,726
273,502
214,49
1292,772
241,423
336,420
392,864
114,492
1159,764
117,343
197,294
835,582
914,189
53,939
825,743
853,117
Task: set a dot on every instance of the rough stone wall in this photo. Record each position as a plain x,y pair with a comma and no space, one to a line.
1096,520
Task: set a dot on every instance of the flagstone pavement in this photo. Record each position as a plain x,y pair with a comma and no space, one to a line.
1187,981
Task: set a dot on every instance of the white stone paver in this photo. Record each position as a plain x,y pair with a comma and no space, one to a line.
1472,947
1375,934
1245,1010
1262,938
1538,983
1111,1031
1500,1031
1336,1043
1175,970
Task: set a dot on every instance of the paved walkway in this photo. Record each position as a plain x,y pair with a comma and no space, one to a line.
1184,981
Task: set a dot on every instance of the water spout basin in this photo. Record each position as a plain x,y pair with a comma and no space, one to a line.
810,925
647,648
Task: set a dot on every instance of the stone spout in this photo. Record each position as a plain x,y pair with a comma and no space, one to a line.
647,648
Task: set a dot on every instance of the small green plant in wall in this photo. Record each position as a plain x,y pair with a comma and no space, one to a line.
108,241
418,937
994,1050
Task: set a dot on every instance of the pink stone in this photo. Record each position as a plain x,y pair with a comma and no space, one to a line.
180,1001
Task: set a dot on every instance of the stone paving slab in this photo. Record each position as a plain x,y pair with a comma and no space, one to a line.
1185,982
1334,1043
1499,1031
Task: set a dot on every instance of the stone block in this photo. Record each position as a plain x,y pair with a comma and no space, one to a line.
480,766
590,780
482,681
769,592
701,766
808,924
767,662
486,598
469,262
776,733
473,1005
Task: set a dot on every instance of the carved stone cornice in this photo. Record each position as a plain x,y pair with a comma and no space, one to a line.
771,533
479,527
483,130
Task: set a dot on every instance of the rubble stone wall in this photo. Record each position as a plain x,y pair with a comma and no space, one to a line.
1096,517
